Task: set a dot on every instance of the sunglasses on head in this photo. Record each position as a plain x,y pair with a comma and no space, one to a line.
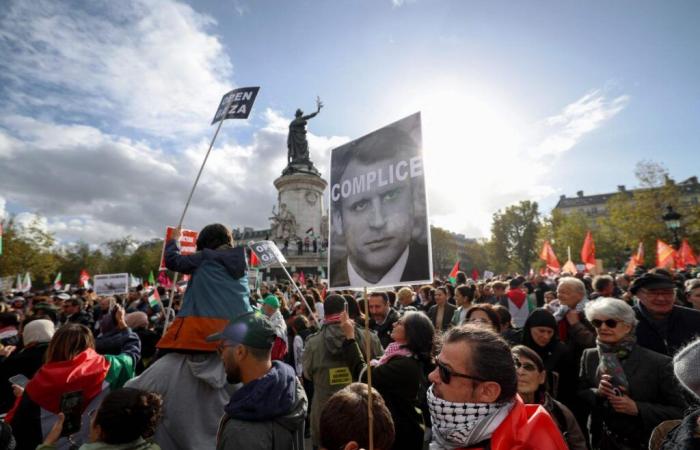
446,373
610,323
527,366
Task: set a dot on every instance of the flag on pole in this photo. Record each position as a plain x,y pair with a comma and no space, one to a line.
57,282
27,284
453,273
588,251
154,298
84,279
548,256
254,261
665,255
686,255
637,259
18,283
475,274
151,280
164,280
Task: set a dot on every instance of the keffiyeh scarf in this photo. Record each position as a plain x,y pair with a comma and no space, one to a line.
392,350
458,425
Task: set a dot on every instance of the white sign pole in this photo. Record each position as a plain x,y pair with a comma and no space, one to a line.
370,416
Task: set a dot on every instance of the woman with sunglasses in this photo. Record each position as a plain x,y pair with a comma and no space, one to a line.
630,389
532,387
400,375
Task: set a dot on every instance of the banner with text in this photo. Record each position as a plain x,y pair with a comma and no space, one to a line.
236,104
188,243
267,253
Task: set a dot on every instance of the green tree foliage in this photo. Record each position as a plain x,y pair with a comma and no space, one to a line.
28,249
145,258
475,255
514,236
444,250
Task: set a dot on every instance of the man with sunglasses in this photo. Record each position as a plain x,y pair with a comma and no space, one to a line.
473,399
664,327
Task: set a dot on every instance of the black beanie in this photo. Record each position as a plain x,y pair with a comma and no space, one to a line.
541,318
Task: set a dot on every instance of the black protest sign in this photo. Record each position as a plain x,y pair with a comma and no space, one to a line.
268,253
236,104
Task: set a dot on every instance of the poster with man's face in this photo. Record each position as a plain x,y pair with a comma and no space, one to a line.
379,234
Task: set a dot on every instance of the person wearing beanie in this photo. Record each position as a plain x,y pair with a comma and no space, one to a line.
271,308
26,361
683,434
324,361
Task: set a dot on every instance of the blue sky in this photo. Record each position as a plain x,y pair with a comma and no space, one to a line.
104,107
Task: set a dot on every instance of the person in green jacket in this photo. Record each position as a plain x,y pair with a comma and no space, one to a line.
124,420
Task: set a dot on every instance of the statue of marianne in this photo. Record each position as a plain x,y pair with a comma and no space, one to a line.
297,145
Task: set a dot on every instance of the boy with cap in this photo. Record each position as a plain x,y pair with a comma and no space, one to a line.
268,411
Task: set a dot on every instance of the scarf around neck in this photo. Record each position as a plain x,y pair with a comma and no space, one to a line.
392,350
458,425
611,357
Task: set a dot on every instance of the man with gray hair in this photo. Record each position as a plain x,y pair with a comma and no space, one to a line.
574,329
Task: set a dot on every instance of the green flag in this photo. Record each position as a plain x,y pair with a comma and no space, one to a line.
151,279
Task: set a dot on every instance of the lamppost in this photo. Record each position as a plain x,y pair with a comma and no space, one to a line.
672,219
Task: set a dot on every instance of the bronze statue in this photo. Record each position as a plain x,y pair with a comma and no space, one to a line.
297,145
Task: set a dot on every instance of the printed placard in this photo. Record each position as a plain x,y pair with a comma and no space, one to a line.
188,243
111,284
268,253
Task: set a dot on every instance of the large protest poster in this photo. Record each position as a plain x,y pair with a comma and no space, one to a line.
236,104
379,233
111,284
188,243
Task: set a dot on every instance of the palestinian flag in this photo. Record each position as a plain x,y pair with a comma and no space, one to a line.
154,298
453,273
57,282
83,281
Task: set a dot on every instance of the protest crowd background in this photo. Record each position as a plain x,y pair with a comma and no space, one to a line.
538,360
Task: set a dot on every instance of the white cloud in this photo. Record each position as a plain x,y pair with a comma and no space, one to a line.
579,118
146,65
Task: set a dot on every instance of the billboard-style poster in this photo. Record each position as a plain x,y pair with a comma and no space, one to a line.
379,233
111,284
188,243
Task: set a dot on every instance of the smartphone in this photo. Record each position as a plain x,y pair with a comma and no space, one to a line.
72,408
19,380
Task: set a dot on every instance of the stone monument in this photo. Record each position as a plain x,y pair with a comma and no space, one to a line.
299,211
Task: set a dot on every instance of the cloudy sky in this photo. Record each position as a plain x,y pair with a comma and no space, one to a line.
105,106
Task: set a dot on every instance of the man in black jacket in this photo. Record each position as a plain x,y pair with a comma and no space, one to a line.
382,317
663,326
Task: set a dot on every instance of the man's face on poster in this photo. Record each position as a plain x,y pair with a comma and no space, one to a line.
377,224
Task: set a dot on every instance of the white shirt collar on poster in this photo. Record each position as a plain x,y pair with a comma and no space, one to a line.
392,277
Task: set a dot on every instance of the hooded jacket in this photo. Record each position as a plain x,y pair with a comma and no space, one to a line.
324,363
200,380
216,293
267,413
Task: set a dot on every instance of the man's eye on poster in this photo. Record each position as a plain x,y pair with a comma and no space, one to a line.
379,217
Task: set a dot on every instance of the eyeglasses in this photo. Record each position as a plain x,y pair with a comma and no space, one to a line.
527,366
446,373
659,292
610,323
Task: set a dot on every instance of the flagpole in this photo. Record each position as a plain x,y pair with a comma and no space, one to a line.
368,337
170,303
182,217
303,298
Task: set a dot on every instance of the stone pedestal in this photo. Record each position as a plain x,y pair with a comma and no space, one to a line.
302,195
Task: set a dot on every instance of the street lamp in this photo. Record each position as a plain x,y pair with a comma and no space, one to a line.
672,219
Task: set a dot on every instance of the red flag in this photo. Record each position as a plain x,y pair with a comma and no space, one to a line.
164,280
475,274
548,256
302,278
588,251
84,278
453,273
637,259
686,255
665,255
254,261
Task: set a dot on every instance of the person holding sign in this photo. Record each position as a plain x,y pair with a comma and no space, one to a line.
378,210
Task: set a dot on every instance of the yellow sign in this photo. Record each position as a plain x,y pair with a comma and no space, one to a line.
339,375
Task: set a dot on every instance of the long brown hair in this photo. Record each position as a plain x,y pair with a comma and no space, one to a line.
68,342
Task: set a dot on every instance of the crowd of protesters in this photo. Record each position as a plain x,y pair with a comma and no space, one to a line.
513,362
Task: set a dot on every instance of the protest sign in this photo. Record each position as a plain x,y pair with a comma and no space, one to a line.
267,253
379,234
111,284
236,104
188,243
254,277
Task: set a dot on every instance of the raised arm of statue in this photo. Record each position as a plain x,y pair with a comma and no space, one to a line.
319,105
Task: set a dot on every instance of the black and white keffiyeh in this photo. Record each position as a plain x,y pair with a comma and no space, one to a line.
463,424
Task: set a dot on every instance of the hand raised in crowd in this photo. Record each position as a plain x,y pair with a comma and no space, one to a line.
347,325
624,405
177,232
119,318
17,390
